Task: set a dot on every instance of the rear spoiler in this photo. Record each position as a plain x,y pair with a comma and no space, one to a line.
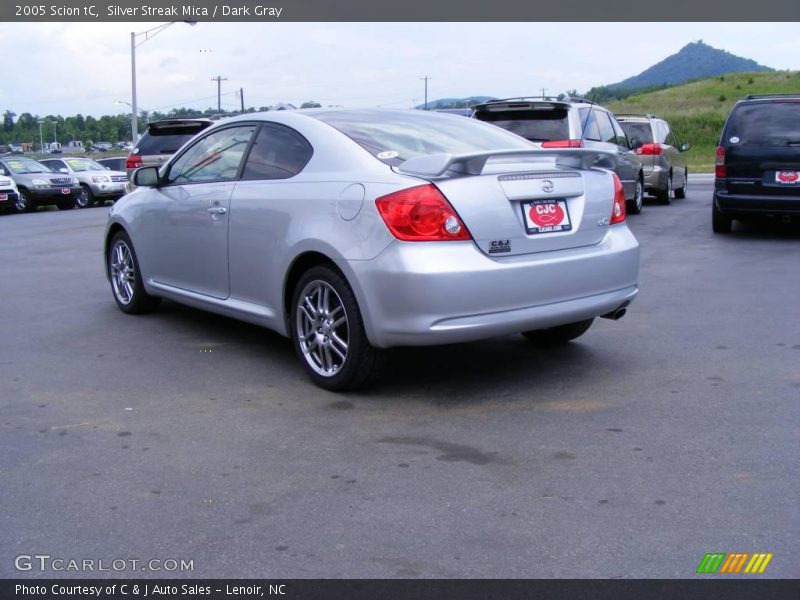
440,165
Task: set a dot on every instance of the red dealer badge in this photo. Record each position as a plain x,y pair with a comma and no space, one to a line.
546,215
788,176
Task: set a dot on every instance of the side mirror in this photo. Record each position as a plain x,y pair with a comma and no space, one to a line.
636,143
146,177
686,146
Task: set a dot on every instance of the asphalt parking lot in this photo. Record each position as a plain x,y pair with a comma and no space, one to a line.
181,435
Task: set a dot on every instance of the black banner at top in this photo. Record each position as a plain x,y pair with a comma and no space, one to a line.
405,11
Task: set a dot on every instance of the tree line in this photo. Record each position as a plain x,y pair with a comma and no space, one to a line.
24,128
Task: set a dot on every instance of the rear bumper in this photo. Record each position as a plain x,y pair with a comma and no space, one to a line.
746,205
416,294
8,199
656,178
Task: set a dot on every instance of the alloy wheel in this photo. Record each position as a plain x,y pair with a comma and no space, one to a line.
322,328
123,272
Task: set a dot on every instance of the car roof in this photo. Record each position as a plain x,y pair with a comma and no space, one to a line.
768,97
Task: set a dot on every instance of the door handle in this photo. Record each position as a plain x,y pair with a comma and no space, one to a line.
217,210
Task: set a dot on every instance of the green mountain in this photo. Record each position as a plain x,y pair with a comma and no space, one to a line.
692,62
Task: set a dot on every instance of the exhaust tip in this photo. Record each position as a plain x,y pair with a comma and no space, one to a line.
617,313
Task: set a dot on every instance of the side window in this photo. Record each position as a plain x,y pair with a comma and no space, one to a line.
606,130
672,139
215,157
589,125
278,153
619,134
661,132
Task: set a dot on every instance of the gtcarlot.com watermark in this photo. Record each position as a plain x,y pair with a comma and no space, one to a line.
46,562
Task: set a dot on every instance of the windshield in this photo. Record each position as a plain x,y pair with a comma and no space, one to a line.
765,124
22,166
83,164
394,137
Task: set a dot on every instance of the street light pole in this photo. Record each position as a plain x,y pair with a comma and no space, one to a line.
134,116
41,139
150,33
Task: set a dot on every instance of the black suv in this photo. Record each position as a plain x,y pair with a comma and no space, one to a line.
758,161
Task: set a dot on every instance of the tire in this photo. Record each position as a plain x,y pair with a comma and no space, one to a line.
24,202
720,223
557,336
125,278
680,193
665,196
634,205
328,332
86,199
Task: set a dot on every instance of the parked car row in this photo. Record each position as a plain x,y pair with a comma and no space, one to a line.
64,182
649,157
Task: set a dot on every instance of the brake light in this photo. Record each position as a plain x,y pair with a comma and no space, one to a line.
563,144
134,161
649,150
618,210
719,169
421,214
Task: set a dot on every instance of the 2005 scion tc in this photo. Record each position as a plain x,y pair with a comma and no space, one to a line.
353,231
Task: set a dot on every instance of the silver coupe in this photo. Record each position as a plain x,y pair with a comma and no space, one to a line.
356,230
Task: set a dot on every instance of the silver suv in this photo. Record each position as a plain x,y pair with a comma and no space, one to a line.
665,170
564,122
99,184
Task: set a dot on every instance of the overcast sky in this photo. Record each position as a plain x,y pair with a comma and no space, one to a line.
70,68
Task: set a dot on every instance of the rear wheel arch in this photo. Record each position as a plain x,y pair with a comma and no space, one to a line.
300,265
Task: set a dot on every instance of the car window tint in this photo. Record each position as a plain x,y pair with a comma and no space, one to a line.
213,158
536,126
765,123
393,137
636,129
167,140
606,130
590,129
619,135
277,153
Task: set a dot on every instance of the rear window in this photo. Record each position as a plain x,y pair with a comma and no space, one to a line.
168,139
394,137
533,125
640,130
765,124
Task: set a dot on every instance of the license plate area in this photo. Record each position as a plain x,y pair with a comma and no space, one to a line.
546,216
787,177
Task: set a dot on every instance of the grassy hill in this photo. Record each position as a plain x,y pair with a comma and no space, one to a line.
697,110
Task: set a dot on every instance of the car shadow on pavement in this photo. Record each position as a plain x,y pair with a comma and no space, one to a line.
766,230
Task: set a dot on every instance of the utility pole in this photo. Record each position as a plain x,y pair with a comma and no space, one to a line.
425,79
55,139
543,92
241,97
219,81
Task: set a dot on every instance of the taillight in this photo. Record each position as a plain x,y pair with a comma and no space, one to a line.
563,144
649,150
719,169
421,214
618,211
134,161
